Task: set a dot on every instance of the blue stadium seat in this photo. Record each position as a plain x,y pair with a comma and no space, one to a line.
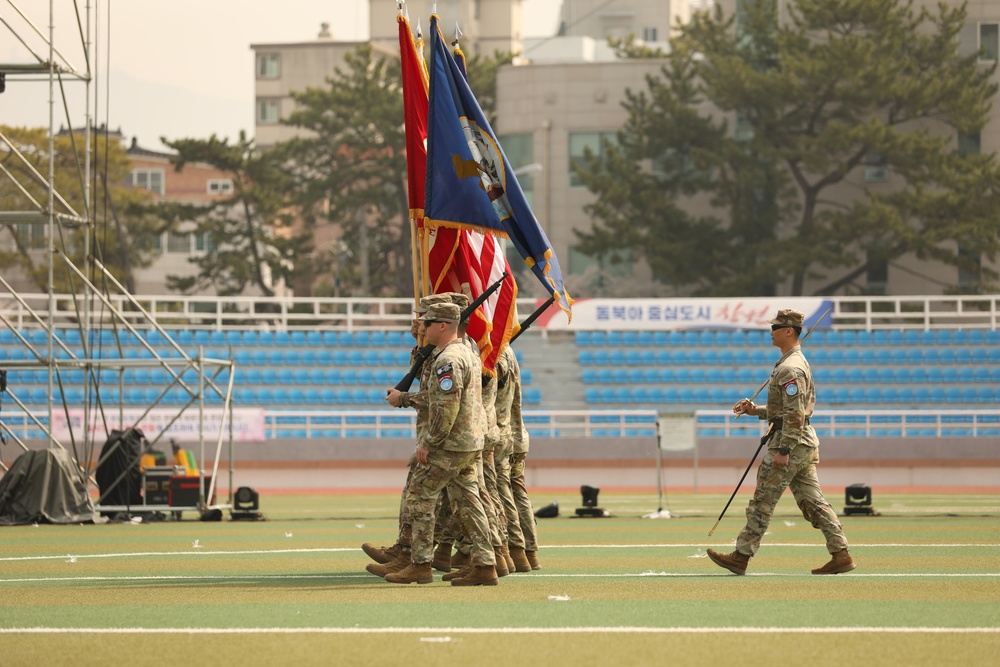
660,338
589,376
602,358
331,339
582,338
591,395
630,338
667,376
982,375
633,358
605,376
945,337
619,375
737,338
613,338
855,375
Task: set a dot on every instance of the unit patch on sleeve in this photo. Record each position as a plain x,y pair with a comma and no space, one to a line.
445,383
791,388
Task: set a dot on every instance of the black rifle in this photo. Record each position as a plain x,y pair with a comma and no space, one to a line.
425,352
531,319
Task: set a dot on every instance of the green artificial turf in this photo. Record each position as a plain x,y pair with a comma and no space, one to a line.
622,590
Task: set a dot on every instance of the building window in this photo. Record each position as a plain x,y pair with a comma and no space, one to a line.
969,269
267,111
520,152
178,242
33,235
877,272
876,168
969,144
204,243
268,65
649,34
579,144
989,41
148,179
220,186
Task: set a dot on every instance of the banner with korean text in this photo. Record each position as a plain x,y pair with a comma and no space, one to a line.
248,424
680,314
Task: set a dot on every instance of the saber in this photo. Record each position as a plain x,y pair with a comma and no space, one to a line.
763,441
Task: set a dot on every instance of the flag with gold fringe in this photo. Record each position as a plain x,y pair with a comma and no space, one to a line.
469,182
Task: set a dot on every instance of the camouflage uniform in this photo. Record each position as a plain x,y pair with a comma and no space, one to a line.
454,439
791,398
418,401
507,372
519,438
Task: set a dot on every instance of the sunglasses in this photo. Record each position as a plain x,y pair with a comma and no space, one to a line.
775,327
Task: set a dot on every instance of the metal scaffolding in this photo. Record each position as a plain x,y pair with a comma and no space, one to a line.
102,328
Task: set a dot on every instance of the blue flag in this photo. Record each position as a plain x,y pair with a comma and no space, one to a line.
470,184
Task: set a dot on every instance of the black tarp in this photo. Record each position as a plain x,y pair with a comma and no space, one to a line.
118,475
44,486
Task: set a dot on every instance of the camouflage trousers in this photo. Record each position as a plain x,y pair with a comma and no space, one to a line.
426,486
799,476
455,532
405,529
515,537
525,515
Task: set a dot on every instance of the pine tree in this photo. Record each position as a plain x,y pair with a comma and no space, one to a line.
773,119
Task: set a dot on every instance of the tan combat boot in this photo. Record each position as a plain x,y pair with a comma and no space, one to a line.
442,558
459,560
380,554
840,563
734,562
508,558
414,573
532,557
481,575
521,562
398,563
464,571
501,566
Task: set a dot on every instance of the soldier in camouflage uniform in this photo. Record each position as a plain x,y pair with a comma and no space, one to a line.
518,485
508,388
397,557
447,452
792,455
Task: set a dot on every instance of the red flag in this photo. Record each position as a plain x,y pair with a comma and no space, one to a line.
415,118
457,260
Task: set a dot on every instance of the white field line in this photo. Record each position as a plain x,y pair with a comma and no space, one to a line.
534,575
505,631
202,552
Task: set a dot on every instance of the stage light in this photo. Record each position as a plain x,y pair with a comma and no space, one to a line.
246,502
590,508
858,500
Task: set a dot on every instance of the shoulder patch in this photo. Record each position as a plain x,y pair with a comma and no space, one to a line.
791,388
445,383
444,370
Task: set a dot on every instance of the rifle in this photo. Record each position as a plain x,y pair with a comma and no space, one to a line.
424,352
531,319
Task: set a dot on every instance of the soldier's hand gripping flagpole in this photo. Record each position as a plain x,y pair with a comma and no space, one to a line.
740,409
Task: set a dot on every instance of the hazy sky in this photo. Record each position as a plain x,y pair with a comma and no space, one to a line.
178,68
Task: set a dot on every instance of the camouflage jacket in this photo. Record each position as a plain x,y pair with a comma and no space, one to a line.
454,400
791,398
505,398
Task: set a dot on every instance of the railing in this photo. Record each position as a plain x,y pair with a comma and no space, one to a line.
297,424
351,313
